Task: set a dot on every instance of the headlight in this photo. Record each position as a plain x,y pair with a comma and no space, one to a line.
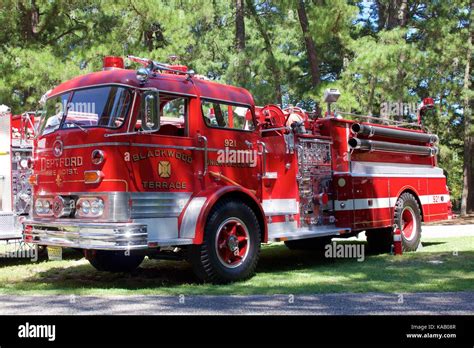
85,207
43,207
90,207
97,207
39,207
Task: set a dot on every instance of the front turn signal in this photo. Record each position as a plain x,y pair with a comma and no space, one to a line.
93,176
33,179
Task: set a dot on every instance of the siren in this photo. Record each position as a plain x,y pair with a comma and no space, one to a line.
112,62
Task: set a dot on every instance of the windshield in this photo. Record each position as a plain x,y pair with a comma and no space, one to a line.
92,107
52,114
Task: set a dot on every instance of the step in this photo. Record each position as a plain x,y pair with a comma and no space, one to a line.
308,232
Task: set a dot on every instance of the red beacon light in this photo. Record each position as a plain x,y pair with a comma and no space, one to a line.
111,62
427,104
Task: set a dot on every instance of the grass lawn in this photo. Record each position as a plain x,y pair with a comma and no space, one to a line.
442,265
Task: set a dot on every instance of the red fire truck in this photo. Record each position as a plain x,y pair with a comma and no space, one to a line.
161,162
16,141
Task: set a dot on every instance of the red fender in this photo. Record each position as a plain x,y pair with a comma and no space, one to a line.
211,197
417,196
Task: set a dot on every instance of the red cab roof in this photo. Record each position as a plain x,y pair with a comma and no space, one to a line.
171,83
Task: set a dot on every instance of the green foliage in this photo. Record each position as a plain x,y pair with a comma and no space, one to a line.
361,50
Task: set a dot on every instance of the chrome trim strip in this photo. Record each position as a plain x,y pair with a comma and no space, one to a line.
177,147
173,242
306,232
380,169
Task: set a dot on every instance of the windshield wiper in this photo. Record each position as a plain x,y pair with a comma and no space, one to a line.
77,125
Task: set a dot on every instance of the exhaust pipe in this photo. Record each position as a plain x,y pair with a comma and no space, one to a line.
372,145
364,129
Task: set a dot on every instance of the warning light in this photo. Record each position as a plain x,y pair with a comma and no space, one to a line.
111,62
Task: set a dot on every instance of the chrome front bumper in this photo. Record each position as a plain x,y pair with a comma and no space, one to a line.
107,236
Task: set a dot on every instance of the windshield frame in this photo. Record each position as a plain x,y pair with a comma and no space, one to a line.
129,89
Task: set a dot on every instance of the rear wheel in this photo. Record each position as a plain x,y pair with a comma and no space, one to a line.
231,245
408,217
114,261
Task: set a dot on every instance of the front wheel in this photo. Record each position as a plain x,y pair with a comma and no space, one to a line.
114,261
231,245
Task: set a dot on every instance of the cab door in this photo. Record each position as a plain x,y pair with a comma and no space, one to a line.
231,139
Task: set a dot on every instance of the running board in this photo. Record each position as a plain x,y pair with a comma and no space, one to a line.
170,242
308,232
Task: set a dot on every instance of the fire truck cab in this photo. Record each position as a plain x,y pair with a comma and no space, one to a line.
163,163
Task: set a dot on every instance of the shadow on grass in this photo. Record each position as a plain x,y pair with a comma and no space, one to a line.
427,244
280,271
68,254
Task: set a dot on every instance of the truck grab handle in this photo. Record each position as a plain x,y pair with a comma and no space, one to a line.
203,139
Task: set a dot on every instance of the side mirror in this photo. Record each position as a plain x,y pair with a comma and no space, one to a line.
151,111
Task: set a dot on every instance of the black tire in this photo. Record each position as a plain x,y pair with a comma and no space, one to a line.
206,259
316,244
114,261
407,212
380,240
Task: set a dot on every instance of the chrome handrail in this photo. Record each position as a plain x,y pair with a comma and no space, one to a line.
264,157
204,140
274,129
384,120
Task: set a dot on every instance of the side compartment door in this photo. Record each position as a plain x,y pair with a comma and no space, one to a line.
279,168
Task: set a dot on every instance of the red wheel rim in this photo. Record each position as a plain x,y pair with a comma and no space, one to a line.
409,223
232,242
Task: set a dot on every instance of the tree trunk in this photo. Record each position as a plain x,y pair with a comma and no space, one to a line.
392,13
29,20
273,66
239,26
240,42
310,46
373,82
468,177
